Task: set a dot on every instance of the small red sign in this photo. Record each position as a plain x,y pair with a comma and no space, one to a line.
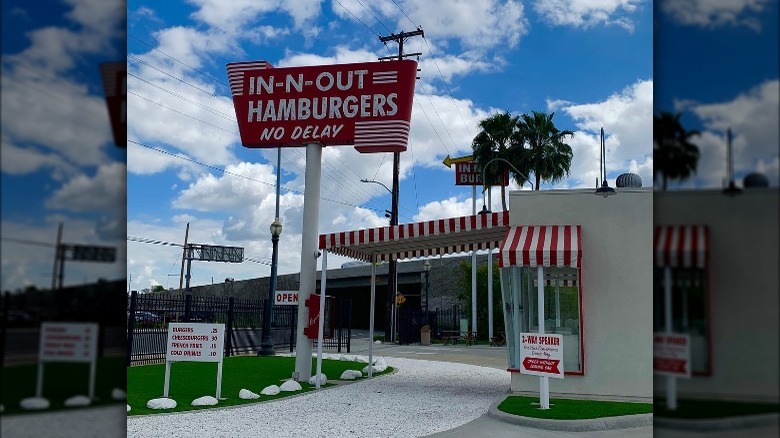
468,174
312,327
367,105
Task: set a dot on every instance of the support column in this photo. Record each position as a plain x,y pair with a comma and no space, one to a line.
309,243
473,268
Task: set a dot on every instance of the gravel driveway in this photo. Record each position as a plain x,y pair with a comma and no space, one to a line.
419,399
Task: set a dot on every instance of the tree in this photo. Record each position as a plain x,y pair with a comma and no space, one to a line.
674,156
498,132
547,156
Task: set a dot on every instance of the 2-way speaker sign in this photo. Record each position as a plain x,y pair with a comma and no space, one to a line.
367,105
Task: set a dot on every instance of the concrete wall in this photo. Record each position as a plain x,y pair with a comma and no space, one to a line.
617,288
744,289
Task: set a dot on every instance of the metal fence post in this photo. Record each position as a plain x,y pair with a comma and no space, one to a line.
349,327
4,324
229,331
340,324
187,307
294,318
131,326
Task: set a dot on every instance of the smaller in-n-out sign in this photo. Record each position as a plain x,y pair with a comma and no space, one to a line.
468,174
286,298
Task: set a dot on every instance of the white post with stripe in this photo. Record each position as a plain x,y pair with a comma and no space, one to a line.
309,244
474,268
671,381
544,383
371,318
321,327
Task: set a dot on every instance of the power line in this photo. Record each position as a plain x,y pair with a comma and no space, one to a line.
164,243
184,114
173,93
28,242
372,14
356,18
402,11
227,172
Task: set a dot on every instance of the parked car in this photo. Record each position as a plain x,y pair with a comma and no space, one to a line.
145,318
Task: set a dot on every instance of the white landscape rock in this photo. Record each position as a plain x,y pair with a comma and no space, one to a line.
34,403
78,400
347,358
206,400
322,377
118,394
351,375
128,408
290,386
270,390
2,409
246,394
361,359
161,403
377,341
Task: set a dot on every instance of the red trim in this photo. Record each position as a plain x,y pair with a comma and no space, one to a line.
513,370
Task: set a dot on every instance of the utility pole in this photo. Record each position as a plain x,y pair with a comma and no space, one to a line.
391,274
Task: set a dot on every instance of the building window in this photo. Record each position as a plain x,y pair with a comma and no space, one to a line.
562,298
689,312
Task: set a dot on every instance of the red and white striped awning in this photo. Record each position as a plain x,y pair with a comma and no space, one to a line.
421,239
681,246
542,245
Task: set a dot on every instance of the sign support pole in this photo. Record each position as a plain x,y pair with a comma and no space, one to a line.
309,243
490,283
371,318
474,269
92,380
671,381
167,383
219,380
544,383
321,327
39,380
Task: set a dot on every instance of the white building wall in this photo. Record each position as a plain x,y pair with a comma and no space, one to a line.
744,288
617,288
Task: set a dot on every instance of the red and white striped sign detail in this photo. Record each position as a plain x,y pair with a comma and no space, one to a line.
372,134
681,246
236,74
346,243
545,245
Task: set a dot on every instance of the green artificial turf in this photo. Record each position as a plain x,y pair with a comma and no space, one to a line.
567,409
710,409
61,380
191,380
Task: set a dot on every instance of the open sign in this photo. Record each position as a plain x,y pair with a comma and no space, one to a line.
286,298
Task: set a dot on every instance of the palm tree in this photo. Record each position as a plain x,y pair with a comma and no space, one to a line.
498,132
674,156
547,156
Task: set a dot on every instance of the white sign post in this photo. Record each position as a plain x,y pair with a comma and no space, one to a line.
194,342
286,298
68,342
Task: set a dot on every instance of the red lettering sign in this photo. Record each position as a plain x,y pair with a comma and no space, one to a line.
367,105
466,174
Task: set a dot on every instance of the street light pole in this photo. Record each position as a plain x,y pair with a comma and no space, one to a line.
392,265
427,267
485,210
267,342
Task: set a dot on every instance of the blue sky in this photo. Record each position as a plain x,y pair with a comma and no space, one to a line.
592,65
59,163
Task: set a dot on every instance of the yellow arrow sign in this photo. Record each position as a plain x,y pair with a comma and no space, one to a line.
450,161
400,299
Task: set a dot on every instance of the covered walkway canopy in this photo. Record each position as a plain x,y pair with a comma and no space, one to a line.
421,239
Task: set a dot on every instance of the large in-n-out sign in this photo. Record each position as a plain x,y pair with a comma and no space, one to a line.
367,105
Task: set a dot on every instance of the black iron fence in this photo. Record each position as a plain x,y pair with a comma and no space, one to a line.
21,315
445,320
148,317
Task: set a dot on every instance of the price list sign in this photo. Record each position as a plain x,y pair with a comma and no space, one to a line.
68,342
194,342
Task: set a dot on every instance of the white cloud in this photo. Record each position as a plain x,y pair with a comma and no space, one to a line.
713,14
587,13
752,117
98,193
627,120
450,207
479,24
235,15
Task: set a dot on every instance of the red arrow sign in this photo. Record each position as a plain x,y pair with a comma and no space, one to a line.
670,365
541,365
